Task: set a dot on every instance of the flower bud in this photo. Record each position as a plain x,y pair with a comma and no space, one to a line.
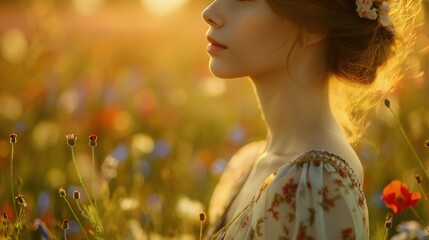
387,102
71,139
388,223
5,223
66,224
93,140
21,200
419,179
62,192
76,195
389,216
202,216
12,138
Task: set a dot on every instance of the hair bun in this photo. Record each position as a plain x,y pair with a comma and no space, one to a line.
359,57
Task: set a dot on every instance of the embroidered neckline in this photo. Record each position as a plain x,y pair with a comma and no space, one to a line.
337,162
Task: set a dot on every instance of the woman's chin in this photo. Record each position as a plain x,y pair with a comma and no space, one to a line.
224,72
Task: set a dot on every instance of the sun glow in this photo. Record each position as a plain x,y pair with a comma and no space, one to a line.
87,6
163,7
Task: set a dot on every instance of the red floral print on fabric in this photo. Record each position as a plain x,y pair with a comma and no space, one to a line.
342,173
300,199
273,211
245,222
348,234
328,202
289,191
302,233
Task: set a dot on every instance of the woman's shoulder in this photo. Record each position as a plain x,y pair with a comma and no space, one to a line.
317,156
316,167
302,199
247,153
339,154
305,195
321,160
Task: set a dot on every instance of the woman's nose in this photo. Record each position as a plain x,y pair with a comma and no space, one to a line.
211,15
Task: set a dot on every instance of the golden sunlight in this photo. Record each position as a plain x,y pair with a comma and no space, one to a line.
163,7
87,6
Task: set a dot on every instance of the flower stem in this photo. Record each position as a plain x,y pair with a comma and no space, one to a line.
19,223
80,176
419,160
5,228
386,234
77,219
78,206
202,219
65,234
11,177
93,177
419,218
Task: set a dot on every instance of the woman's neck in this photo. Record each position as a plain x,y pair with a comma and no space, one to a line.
298,117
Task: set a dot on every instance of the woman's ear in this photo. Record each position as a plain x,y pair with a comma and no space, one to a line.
312,38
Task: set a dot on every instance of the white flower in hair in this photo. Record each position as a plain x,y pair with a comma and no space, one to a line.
365,9
384,10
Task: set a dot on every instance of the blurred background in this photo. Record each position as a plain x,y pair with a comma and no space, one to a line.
134,72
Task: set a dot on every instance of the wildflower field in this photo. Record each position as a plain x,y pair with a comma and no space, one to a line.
112,127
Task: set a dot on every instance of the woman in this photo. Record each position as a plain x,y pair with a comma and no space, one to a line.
305,180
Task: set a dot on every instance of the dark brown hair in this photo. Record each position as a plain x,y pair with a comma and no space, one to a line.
354,47
357,50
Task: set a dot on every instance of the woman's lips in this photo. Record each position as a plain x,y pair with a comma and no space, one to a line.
215,46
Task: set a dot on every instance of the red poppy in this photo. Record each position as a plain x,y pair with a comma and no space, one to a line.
397,196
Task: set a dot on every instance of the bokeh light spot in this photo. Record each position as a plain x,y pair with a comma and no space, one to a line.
163,7
142,143
213,86
188,208
87,6
128,204
11,107
109,167
55,178
68,101
45,135
162,148
13,45
122,122
43,202
120,153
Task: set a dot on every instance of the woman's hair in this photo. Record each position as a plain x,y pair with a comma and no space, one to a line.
357,50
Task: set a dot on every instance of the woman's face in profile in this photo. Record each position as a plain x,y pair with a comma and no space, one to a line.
247,38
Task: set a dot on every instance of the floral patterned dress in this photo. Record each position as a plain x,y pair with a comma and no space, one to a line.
315,196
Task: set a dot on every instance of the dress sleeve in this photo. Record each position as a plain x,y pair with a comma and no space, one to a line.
235,171
315,199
